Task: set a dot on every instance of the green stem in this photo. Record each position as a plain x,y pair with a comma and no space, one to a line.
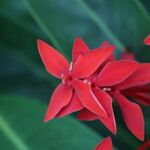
11,135
101,24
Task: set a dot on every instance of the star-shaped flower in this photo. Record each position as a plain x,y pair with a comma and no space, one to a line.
126,79
73,93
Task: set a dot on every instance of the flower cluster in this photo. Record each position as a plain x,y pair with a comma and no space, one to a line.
91,82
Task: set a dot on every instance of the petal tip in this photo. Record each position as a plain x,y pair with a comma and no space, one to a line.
141,137
147,40
114,131
39,44
46,119
39,41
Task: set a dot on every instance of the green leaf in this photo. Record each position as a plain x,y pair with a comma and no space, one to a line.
93,20
22,128
20,61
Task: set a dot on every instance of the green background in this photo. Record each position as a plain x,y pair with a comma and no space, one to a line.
25,86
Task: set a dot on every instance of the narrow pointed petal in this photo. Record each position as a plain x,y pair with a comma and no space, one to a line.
132,115
116,72
55,63
87,64
79,48
142,98
87,98
140,77
73,106
86,115
111,57
147,40
106,102
140,89
60,98
105,144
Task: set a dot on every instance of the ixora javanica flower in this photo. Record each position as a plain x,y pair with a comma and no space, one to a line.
73,93
134,86
105,90
91,80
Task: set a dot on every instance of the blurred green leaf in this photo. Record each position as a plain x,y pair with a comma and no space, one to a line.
22,71
20,63
22,128
92,20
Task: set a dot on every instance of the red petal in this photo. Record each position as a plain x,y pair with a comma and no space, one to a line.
132,115
147,40
87,115
116,72
111,57
105,44
142,98
140,89
55,62
87,97
79,48
73,106
87,64
127,56
105,144
140,77
106,102
60,98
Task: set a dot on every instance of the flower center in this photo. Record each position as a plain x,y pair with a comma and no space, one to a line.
66,79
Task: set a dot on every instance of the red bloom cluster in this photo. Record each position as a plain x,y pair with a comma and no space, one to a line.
92,80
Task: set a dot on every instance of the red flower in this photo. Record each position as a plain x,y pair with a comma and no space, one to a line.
73,93
105,144
134,86
103,85
145,146
92,80
147,40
